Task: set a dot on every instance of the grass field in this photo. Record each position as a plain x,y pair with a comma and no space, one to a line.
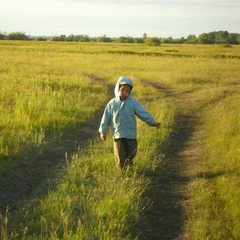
58,180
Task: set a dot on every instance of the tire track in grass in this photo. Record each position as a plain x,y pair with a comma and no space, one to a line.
33,179
167,191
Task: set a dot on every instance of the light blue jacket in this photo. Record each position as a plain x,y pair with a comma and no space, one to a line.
120,115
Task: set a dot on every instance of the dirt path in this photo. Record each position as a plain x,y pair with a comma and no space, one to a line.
168,190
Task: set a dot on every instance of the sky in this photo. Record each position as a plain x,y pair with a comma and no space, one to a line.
115,18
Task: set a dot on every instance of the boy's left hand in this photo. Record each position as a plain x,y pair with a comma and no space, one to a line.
103,137
158,124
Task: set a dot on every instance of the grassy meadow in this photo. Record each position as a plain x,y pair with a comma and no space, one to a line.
52,89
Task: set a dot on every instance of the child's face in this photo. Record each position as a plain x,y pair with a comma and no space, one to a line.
124,91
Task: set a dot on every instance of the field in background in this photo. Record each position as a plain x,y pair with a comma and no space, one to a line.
51,89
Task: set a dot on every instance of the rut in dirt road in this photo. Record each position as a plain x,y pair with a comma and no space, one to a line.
165,218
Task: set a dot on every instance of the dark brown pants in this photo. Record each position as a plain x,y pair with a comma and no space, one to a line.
124,151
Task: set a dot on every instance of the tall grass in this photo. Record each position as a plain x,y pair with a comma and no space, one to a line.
49,88
41,97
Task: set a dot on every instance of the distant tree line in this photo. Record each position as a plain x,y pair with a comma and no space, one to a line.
217,37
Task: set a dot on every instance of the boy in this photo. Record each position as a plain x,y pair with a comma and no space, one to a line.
119,115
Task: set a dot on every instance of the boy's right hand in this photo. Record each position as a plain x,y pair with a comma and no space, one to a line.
103,137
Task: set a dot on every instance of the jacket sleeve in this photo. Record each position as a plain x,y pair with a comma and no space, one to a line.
143,114
105,121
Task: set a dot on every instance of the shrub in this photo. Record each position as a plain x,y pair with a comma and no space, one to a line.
152,41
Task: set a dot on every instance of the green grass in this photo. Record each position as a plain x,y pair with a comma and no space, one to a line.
34,112
49,89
